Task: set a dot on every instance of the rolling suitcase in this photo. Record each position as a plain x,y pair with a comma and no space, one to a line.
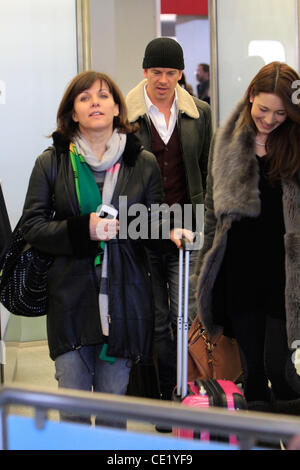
198,393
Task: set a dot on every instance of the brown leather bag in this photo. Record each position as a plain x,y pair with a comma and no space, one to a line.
218,358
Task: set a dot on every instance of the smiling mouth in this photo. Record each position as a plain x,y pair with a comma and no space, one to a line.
267,126
97,113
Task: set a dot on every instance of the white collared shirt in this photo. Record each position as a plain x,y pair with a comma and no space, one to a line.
158,118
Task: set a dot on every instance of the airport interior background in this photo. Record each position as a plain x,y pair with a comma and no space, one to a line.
44,43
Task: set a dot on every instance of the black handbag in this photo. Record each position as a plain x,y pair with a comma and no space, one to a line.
23,277
24,269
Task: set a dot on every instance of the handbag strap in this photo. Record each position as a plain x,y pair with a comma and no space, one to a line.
52,174
197,331
55,161
17,232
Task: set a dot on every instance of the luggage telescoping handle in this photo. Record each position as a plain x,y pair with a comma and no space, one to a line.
182,320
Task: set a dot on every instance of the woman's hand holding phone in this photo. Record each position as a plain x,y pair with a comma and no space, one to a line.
103,229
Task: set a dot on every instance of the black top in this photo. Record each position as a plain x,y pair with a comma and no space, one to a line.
252,275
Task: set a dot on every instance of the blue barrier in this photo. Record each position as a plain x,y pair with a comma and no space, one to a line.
38,433
24,435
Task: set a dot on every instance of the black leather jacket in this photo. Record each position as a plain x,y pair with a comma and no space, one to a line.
73,318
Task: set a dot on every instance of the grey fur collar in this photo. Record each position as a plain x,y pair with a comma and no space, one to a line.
235,170
137,107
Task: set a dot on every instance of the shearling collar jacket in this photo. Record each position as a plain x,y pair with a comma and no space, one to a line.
194,127
233,193
137,106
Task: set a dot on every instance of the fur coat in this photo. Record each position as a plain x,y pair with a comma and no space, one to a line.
232,193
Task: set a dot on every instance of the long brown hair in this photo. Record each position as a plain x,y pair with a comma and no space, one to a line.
83,81
283,144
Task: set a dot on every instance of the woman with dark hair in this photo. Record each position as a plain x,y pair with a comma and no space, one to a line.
249,265
100,313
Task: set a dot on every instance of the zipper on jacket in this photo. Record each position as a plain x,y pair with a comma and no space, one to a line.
148,125
179,117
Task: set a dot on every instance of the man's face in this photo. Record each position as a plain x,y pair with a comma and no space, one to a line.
161,83
200,74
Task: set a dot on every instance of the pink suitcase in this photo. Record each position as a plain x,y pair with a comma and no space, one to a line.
199,393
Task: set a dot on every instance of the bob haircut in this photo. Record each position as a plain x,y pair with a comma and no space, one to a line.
81,82
283,144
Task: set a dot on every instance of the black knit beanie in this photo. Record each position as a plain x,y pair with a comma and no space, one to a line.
163,52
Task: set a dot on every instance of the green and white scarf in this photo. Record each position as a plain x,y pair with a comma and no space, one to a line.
89,197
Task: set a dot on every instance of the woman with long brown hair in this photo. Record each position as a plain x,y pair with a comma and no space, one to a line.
249,284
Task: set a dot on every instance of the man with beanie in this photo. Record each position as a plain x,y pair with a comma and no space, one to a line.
176,127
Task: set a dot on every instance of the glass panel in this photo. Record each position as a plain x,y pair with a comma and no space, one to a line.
250,35
38,57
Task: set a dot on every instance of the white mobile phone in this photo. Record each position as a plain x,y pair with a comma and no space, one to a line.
107,212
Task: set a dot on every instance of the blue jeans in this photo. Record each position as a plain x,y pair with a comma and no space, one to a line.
165,277
82,369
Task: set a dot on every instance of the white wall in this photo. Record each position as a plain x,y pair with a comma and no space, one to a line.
120,31
193,35
38,57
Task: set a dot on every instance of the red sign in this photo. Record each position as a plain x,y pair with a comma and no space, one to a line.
185,7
